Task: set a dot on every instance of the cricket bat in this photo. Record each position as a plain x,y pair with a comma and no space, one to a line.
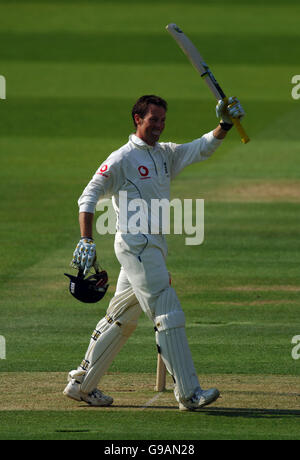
161,372
197,61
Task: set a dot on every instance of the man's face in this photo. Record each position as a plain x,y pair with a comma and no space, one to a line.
152,125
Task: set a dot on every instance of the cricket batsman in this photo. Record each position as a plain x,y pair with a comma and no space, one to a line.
143,168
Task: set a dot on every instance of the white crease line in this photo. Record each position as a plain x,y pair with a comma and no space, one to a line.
152,400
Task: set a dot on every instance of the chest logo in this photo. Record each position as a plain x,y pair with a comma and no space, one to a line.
144,172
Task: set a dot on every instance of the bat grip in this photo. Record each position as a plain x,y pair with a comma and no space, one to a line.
241,130
239,127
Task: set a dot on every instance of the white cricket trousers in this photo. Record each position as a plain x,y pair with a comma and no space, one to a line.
142,258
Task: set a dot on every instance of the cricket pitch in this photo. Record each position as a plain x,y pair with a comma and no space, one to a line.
34,391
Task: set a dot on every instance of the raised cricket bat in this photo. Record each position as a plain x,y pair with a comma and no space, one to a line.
197,60
161,372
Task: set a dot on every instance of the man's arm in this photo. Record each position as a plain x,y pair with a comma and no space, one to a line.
86,220
219,133
202,148
105,181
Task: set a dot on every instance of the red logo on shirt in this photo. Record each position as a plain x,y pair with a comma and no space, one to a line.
102,170
143,172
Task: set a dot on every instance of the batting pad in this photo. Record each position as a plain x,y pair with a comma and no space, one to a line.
109,337
118,304
173,345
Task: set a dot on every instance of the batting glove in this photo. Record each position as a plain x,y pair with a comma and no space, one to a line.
231,109
84,255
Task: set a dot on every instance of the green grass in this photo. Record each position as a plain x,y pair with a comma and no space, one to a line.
73,71
259,425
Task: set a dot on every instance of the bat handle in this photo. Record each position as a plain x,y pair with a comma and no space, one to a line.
239,127
241,130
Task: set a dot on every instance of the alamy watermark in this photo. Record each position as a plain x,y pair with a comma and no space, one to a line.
2,347
296,348
296,89
137,216
2,87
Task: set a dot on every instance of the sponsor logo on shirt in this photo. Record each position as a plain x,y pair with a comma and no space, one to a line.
144,172
103,170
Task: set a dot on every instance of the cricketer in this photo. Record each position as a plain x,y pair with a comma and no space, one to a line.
144,168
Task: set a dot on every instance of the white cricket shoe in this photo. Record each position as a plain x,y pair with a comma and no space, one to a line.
94,398
200,399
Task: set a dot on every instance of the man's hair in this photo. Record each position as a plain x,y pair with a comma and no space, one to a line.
142,104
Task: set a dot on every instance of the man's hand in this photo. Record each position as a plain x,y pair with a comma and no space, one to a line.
231,109
84,255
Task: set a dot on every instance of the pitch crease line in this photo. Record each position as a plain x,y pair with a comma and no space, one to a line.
152,400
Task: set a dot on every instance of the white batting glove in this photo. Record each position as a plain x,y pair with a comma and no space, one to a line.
233,109
84,255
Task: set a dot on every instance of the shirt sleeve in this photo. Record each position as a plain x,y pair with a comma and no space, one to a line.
106,182
182,155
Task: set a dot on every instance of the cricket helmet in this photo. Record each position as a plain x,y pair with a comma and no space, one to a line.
90,289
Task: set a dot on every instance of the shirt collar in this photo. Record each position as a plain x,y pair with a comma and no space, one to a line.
140,143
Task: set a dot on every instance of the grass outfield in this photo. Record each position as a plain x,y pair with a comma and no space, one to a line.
73,71
252,407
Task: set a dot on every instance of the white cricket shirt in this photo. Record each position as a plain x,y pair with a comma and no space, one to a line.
143,172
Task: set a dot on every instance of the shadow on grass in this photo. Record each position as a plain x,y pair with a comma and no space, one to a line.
214,411
250,413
